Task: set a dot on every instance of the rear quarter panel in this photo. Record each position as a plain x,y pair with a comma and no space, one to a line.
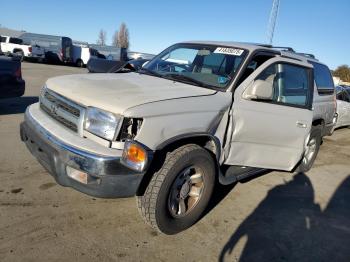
323,107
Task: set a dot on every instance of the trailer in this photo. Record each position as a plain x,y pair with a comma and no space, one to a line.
57,48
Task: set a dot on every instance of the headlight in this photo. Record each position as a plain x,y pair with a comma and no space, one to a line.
101,123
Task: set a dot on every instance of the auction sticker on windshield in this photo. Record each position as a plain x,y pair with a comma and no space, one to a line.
229,51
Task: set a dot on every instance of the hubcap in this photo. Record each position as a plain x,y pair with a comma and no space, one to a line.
310,151
186,191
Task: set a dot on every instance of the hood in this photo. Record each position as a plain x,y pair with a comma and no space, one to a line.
117,92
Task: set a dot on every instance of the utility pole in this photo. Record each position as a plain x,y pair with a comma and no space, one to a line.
272,20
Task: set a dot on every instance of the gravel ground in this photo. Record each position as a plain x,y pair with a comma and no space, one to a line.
275,217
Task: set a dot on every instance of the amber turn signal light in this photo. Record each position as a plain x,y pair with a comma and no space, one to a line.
134,156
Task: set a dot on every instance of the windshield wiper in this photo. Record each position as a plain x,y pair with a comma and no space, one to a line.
184,78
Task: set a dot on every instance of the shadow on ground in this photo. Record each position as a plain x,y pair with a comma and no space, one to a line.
289,226
16,105
221,191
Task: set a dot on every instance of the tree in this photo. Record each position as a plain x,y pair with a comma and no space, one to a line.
102,35
115,39
343,72
122,37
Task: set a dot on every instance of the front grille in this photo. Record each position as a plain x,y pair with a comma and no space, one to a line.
62,104
62,110
60,119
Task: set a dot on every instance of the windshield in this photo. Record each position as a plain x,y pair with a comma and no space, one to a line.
198,64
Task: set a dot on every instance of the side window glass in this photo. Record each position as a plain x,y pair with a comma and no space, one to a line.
340,96
323,78
290,83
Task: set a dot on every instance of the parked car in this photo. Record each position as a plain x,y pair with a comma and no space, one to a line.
82,55
11,82
58,49
101,65
107,52
15,46
98,65
199,112
343,107
138,55
132,65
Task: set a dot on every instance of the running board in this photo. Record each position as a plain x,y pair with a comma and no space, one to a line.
234,174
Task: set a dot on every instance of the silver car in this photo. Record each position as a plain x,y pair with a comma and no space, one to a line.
343,106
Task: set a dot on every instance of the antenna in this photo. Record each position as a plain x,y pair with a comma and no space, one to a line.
272,20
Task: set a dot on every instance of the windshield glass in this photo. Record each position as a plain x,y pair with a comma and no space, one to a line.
198,64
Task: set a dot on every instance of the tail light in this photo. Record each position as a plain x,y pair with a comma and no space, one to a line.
335,103
61,53
18,73
30,49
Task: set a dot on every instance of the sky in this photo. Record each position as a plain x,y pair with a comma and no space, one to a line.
320,27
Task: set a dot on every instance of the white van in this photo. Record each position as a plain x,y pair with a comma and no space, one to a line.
82,54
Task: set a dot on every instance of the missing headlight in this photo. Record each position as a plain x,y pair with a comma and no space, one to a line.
130,128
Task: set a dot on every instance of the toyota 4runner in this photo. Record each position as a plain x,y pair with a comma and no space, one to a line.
199,112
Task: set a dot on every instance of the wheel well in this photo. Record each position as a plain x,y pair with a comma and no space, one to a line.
17,50
208,142
318,122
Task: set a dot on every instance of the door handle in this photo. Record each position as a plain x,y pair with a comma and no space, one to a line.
301,124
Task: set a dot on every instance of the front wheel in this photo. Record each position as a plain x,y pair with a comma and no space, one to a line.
80,63
179,192
20,54
311,151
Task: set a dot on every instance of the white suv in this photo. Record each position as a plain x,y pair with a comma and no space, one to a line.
197,113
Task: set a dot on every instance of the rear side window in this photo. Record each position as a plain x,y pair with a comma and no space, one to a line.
15,41
2,39
323,79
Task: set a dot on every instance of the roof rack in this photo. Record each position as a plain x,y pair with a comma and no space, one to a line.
289,49
306,54
284,48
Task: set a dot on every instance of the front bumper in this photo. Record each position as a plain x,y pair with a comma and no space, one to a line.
107,177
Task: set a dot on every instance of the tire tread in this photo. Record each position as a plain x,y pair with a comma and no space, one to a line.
147,203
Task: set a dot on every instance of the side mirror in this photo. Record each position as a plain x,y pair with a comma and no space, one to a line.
259,90
145,63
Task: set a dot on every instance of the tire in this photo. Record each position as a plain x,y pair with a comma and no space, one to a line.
165,196
309,156
80,63
20,54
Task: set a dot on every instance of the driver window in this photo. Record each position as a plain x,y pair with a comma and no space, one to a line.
290,83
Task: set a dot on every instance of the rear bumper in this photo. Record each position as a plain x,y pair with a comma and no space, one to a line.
12,88
107,177
329,129
36,56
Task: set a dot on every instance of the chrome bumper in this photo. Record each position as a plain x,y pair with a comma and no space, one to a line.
107,176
